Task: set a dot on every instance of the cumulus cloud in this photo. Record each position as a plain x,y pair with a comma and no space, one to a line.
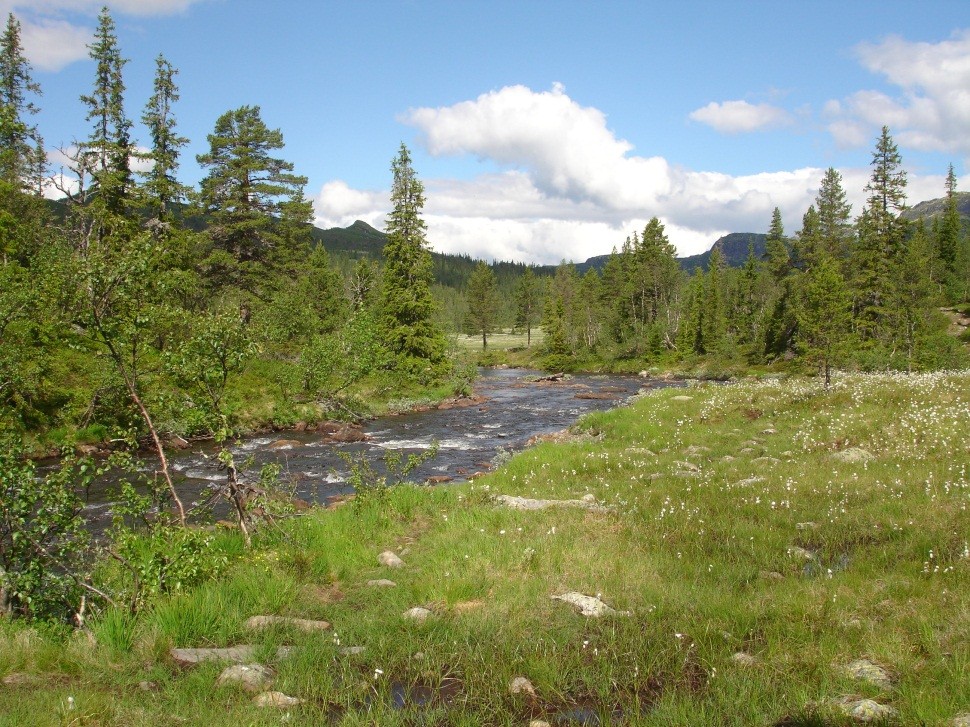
930,111
55,33
741,117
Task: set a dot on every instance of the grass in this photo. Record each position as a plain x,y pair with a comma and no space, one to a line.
805,527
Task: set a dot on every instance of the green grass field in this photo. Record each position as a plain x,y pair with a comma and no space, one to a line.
760,536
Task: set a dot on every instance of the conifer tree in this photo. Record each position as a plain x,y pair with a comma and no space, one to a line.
161,184
777,257
528,290
948,235
19,138
824,314
106,155
714,321
407,306
834,216
912,305
259,216
881,234
482,302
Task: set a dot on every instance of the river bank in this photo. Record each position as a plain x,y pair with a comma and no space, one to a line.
769,553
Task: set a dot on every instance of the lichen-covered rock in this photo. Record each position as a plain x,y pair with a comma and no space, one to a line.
389,558
588,605
381,583
251,677
853,454
865,710
417,614
275,699
303,624
867,671
521,685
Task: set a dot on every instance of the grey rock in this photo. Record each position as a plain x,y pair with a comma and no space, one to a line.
352,650
588,605
766,460
524,503
743,658
251,677
417,614
867,671
797,552
682,397
961,720
382,583
263,622
275,699
864,710
389,558
853,454
237,654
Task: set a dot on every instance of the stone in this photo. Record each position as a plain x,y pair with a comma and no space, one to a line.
341,433
263,622
389,558
687,466
588,605
352,650
961,720
751,481
417,614
867,671
521,685
853,454
275,699
438,479
147,686
865,710
682,397
382,583
743,658
797,552
806,526
525,503
17,679
766,460
251,677
771,575
285,444
238,654
539,723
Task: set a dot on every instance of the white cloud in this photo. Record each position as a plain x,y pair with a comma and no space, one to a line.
739,117
52,35
930,112
568,188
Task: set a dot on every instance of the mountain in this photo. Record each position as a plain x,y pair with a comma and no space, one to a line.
734,248
935,208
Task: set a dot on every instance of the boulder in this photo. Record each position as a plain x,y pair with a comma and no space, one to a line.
285,444
867,671
854,455
524,503
865,710
438,479
417,614
238,654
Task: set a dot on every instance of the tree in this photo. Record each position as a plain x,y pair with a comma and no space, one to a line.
824,314
777,257
913,293
948,237
528,303
106,155
258,213
407,306
834,216
18,137
161,185
881,235
482,301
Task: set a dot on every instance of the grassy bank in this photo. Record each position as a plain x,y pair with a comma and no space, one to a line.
763,536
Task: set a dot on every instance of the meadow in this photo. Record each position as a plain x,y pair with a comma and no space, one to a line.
771,552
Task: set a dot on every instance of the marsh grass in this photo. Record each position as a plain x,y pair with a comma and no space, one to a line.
736,523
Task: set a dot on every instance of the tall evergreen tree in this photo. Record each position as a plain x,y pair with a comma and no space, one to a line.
948,236
256,205
482,302
528,304
161,184
834,216
19,137
407,306
881,235
777,256
824,314
106,155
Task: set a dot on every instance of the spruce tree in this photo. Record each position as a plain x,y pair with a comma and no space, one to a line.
948,235
106,155
482,302
162,187
881,235
528,290
834,216
19,138
407,306
777,257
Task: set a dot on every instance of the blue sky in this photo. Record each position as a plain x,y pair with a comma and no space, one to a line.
546,130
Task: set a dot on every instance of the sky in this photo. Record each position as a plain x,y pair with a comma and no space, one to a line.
544,131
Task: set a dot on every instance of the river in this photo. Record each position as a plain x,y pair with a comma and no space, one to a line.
515,409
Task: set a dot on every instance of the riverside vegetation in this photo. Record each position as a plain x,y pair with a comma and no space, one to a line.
775,551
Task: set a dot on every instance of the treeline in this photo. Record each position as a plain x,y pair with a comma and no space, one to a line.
123,316
862,292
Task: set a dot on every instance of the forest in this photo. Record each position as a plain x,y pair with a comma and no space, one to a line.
137,312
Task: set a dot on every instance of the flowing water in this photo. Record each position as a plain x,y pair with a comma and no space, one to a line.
515,409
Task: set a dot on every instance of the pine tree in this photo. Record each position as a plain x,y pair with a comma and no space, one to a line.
258,213
161,184
482,302
407,306
19,138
